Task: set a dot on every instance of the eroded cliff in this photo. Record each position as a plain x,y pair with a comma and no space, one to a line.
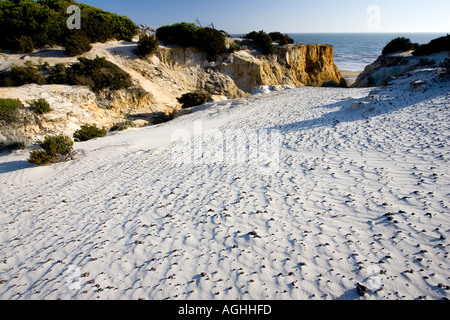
157,83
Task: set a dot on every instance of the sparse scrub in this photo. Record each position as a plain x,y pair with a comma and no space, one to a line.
40,106
194,99
88,132
54,149
400,44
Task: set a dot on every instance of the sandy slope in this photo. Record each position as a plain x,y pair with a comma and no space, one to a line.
356,197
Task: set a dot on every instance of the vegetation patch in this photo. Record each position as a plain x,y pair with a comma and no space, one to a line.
434,46
40,106
194,99
29,24
210,41
54,149
148,44
263,41
8,108
97,74
88,132
400,44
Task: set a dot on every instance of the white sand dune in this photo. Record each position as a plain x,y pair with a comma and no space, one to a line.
356,197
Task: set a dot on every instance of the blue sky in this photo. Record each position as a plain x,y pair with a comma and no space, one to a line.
293,16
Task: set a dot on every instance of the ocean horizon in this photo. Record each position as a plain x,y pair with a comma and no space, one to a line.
354,51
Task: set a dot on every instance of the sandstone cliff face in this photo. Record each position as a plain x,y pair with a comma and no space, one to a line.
158,81
294,65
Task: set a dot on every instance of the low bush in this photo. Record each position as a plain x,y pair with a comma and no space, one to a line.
54,149
263,41
207,40
147,45
8,107
282,39
194,99
183,34
25,75
97,74
434,46
40,106
88,132
400,44
77,43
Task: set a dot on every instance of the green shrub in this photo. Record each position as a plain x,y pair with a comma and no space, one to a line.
26,75
263,41
57,74
211,42
282,39
53,148
24,44
44,22
77,43
194,99
88,132
207,40
147,45
434,46
40,106
121,126
41,158
8,107
97,74
183,34
400,44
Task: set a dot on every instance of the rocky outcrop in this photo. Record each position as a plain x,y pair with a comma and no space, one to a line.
395,65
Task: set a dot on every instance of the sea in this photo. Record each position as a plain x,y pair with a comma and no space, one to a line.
354,51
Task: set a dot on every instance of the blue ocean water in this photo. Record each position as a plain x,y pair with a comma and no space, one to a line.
354,51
